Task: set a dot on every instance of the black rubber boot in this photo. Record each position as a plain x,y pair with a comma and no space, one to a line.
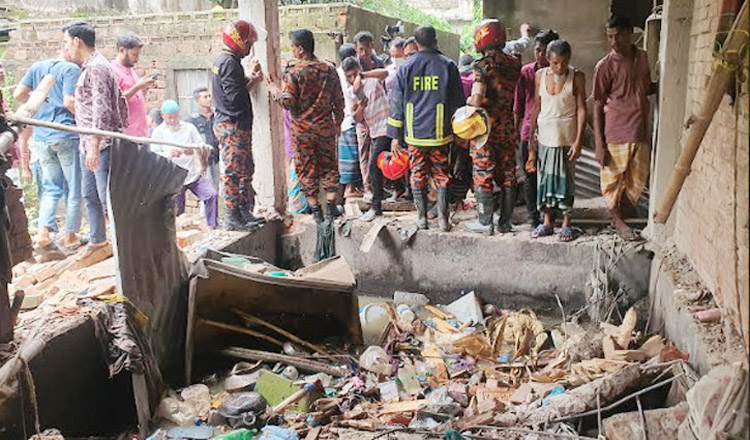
333,210
442,209
485,208
508,202
529,189
420,202
317,214
234,220
432,214
247,215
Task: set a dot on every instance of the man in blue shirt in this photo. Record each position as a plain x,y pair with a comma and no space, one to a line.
57,150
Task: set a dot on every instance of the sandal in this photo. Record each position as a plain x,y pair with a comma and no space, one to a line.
565,235
73,248
542,231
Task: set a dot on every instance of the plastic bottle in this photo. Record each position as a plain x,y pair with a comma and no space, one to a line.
239,434
408,377
405,312
374,318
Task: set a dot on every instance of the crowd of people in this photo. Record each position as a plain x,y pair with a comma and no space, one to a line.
483,124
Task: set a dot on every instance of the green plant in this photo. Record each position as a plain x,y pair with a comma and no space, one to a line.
400,9
467,33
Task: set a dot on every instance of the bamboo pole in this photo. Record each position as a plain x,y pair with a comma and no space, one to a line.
301,363
96,132
726,63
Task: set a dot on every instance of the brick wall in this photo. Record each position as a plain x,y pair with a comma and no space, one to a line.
711,224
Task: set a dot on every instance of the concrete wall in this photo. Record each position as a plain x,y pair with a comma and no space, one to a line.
327,21
49,7
580,22
711,215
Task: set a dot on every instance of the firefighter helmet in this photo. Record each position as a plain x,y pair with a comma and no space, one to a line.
489,34
236,34
394,165
471,123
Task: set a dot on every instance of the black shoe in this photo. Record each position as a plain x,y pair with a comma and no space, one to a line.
420,202
485,209
442,209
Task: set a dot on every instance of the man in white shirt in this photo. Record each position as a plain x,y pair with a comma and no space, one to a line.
175,130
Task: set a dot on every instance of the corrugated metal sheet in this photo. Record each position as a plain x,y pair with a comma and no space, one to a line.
152,272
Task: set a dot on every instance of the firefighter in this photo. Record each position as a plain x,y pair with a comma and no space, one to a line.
426,92
495,77
312,93
234,122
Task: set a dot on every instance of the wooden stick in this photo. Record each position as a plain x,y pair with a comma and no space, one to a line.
735,45
236,329
250,319
304,364
96,132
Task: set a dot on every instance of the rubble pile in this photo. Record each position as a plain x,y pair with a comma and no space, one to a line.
94,275
453,371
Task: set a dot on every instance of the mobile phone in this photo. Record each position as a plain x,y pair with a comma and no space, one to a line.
156,75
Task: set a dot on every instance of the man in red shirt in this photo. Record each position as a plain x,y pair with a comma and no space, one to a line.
133,88
622,83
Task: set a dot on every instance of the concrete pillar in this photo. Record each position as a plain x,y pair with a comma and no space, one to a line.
673,53
268,129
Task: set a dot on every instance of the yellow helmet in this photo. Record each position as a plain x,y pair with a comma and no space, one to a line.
471,123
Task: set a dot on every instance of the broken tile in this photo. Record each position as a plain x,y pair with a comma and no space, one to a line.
660,423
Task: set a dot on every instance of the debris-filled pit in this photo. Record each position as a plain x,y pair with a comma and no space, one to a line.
300,354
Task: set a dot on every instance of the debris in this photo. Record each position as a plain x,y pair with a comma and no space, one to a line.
242,409
388,391
176,411
201,432
623,334
198,396
275,389
718,405
374,320
411,299
376,359
661,423
186,238
252,320
670,353
653,346
304,364
710,315
271,432
466,309
401,407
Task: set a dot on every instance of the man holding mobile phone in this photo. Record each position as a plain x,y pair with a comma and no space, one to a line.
133,88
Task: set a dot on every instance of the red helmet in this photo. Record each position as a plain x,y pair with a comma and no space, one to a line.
489,34
236,34
393,165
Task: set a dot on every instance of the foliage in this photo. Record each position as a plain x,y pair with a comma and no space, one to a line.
467,33
402,10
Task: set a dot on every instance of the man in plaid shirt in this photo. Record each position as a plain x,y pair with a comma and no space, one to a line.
371,108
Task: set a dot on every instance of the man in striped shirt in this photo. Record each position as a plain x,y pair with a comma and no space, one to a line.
370,108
